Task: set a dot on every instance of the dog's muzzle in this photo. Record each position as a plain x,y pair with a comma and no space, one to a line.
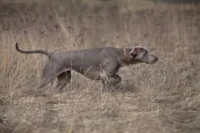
151,59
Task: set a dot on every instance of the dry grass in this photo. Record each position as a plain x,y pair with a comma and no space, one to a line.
159,98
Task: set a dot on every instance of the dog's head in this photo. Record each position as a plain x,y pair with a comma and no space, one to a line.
139,54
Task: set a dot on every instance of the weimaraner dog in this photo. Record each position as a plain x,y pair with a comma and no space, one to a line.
96,63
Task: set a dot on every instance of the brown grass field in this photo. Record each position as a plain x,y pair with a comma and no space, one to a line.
159,98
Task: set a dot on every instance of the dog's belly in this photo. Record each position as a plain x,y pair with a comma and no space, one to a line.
91,73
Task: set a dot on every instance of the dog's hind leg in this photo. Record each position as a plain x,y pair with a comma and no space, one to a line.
63,79
47,75
50,71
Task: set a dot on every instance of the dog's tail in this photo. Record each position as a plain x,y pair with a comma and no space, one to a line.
31,52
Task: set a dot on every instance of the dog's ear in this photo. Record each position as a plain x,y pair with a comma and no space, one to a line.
135,51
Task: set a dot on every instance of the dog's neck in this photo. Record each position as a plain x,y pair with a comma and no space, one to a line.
124,56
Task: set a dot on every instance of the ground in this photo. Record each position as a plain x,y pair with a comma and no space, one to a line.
159,98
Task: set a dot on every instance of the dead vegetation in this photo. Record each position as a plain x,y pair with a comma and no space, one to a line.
162,98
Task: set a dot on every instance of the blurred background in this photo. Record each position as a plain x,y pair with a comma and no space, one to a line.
159,98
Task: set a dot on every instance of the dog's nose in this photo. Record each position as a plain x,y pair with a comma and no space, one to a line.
156,59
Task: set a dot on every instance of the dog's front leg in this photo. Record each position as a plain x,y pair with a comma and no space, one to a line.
109,82
106,82
116,79
109,68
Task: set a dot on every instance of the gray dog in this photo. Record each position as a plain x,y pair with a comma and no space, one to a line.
96,63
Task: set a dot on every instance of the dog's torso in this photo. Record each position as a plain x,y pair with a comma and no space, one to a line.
88,62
